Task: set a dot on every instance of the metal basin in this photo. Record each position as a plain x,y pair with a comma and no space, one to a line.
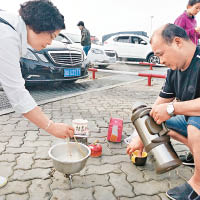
67,157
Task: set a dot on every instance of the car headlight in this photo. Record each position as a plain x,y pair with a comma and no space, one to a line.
29,55
42,57
83,56
97,51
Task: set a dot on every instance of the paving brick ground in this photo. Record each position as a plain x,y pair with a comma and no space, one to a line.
24,152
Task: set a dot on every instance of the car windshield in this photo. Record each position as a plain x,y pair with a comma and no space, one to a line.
62,39
75,38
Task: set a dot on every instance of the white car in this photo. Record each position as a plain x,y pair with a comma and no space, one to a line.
98,55
131,47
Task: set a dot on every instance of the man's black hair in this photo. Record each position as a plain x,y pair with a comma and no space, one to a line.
193,2
81,23
171,31
41,16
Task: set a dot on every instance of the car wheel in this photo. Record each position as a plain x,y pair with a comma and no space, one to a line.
153,59
103,66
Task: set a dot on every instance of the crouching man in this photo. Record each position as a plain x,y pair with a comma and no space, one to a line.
179,100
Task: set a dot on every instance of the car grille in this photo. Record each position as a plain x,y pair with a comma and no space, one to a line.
110,53
65,57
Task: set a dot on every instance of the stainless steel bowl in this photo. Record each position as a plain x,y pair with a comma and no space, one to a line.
59,152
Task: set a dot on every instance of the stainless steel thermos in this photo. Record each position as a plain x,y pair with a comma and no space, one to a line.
154,138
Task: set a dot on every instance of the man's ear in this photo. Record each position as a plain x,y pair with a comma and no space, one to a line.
178,41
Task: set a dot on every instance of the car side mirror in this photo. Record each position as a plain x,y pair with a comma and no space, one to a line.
143,42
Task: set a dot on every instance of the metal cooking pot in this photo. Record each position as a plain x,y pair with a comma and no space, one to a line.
58,153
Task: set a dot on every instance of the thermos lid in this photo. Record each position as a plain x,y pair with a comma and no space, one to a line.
137,105
140,112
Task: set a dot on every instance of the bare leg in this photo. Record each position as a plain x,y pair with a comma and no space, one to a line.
178,137
194,141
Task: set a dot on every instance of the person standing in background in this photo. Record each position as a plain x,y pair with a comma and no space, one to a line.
37,24
85,37
188,22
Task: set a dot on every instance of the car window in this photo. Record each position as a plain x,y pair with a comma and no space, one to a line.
74,37
135,40
138,40
124,39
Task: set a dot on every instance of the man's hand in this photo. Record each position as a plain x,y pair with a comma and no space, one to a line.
61,130
159,113
135,144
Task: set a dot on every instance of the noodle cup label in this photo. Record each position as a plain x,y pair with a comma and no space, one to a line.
80,127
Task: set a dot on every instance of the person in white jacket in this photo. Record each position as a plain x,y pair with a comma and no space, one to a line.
37,24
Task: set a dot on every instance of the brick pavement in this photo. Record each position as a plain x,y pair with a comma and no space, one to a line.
24,158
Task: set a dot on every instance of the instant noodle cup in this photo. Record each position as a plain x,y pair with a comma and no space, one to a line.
139,160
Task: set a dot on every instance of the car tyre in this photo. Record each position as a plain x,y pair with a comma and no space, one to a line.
153,59
103,66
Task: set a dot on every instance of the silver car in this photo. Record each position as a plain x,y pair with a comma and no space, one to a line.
98,55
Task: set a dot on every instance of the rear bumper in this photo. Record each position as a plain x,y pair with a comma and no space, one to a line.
101,59
103,63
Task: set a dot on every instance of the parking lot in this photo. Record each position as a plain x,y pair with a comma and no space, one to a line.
44,93
111,176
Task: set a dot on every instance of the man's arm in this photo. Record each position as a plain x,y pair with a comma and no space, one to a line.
83,36
159,109
161,100
188,108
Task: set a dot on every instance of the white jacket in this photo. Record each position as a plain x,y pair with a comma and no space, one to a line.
13,45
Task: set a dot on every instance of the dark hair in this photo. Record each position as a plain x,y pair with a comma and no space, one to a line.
41,16
171,31
193,2
81,23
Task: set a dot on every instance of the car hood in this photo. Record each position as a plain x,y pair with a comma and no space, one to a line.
56,44
59,45
75,45
96,46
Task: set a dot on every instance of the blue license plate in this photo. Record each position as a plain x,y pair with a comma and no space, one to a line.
72,72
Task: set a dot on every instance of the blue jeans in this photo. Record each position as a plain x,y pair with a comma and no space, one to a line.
86,49
179,123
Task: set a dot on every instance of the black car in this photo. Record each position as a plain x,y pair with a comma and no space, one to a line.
57,62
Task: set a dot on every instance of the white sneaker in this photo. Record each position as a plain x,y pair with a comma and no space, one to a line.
3,181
